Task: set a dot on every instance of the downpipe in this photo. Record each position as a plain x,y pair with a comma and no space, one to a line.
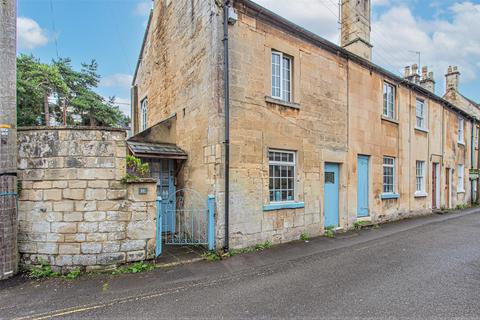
226,76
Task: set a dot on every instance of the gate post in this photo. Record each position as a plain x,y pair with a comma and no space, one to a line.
211,222
158,240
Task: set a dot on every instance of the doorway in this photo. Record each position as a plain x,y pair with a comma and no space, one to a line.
435,186
447,187
331,194
363,186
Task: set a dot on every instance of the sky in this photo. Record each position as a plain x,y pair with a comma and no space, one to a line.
445,32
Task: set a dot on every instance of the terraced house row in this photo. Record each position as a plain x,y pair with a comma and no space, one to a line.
289,132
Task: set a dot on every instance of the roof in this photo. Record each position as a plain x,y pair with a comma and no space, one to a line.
274,19
156,150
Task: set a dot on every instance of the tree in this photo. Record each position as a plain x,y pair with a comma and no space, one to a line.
76,102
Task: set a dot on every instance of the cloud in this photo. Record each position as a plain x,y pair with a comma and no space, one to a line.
29,34
450,36
117,80
320,17
124,105
442,42
143,8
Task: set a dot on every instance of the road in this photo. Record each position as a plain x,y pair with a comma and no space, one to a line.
419,269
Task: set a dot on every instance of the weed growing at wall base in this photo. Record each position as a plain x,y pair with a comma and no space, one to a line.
42,271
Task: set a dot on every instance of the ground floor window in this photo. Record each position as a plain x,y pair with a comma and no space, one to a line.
460,183
420,176
281,175
388,175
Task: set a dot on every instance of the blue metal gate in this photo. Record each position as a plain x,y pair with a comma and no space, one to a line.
185,218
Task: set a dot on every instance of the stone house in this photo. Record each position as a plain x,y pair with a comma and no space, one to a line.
290,132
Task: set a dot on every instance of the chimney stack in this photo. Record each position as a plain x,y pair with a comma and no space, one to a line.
427,80
356,27
411,74
452,78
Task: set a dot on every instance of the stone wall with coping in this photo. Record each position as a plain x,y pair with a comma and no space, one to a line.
74,211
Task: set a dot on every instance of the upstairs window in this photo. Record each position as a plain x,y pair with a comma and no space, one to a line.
388,175
388,100
143,114
421,115
281,175
281,76
461,136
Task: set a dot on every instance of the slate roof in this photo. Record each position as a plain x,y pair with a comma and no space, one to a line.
156,150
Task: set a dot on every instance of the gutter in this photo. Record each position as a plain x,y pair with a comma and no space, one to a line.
226,88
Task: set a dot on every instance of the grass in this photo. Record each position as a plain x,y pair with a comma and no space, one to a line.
304,236
213,256
137,267
359,225
73,274
42,271
330,232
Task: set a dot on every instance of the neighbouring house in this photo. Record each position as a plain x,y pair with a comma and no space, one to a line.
304,133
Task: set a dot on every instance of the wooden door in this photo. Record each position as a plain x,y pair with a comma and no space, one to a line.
447,187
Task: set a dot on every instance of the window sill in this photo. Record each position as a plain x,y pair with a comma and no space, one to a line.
421,130
286,205
461,143
421,194
387,196
282,103
390,119
460,191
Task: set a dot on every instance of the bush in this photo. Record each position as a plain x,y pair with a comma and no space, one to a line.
135,169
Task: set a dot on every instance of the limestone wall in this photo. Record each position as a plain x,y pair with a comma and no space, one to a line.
73,209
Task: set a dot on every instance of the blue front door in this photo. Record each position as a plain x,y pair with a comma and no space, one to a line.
331,190
362,186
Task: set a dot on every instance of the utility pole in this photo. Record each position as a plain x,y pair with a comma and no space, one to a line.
8,139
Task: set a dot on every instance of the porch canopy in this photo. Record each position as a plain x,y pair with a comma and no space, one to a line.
158,141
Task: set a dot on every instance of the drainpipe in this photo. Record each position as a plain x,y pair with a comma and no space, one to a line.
226,75
472,158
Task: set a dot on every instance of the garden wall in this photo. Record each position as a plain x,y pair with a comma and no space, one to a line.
73,209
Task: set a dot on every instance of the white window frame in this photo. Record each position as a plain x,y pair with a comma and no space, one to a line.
420,178
143,114
285,95
283,163
390,114
460,178
384,165
421,115
461,130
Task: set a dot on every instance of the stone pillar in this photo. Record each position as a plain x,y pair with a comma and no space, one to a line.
452,78
355,33
8,139
427,80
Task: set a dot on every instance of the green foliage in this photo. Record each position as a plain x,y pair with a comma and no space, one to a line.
329,232
304,236
135,169
259,247
211,256
42,271
73,92
359,225
73,274
462,206
135,268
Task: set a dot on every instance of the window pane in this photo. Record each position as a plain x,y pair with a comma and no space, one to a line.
281,173
286,79
276,75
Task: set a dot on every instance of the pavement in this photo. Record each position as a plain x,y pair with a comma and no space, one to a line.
424,268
